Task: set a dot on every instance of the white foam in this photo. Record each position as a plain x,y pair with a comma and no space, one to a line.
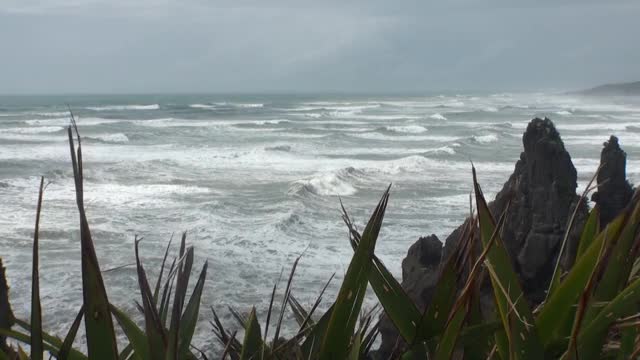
324,184
485,139
628,139
442,150
33,130
409,129
111,138
608,126
124,107
202,106
490,109
53,114
400,138
271,122
437,116
66,121
564,113
240,105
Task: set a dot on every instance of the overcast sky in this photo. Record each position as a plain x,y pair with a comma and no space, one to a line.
133,46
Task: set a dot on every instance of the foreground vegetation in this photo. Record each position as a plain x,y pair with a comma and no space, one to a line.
590,312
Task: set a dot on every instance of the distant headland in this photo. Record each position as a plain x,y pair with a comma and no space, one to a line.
617,89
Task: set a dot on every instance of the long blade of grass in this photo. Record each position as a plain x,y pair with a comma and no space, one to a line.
308,320
354,352
396,303
154,328
555,278
591,229
51,347
447,343
311,344
100,334
560,308
335,343
136,336
436,316
66,348
591,339
299,313
156,291
190,316
36,310
252,342
615,277
287,293
524,342
182,282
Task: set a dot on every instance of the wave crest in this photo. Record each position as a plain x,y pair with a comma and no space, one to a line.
123,107
336,183
437,116
485,139
109,138
408,129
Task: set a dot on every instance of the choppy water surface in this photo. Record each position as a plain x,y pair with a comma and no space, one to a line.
255,181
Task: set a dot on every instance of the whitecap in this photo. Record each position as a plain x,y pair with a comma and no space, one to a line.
52,114
271,122
485,139
110,138
240,105
124,107
409,129
202,106
564,113
596,126
379,136
490,109
437,116
442,150
326,184
33,130
66,121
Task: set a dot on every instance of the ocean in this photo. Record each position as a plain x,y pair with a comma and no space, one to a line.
256,180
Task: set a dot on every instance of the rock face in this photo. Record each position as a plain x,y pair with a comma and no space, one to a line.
6,315
614,191
542,191
419,274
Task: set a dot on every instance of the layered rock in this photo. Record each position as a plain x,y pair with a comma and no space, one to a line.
614,191
542,192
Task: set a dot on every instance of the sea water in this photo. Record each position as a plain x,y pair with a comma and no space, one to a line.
255,181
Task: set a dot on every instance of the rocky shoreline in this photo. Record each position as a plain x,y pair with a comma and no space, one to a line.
542,198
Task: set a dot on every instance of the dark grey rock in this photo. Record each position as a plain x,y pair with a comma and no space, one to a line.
419,274
6,315
542,196
614,191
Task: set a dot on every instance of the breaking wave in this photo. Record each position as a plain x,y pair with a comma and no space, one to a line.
123,107
33,130
485,139
437,116
337,183
109,138
408,129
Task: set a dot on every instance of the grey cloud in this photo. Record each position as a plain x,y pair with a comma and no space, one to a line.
64,46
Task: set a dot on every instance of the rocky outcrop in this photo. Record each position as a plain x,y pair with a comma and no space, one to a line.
542,191
542,196
419,277
614,191
6,315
